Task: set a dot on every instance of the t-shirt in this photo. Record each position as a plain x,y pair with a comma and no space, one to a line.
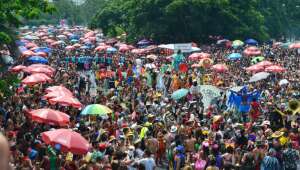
149,163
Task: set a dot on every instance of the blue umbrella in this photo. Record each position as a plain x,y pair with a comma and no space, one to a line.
37,59
74,36
84,47
234,56
74,41
111,50
251,42
178,94
43,49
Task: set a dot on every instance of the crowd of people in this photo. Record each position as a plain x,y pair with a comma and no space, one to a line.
148,127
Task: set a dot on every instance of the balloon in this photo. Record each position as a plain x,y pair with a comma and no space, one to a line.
57,147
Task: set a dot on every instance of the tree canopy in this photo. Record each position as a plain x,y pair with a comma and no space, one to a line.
195,20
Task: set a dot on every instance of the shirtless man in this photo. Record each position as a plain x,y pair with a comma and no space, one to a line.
190,146
4,156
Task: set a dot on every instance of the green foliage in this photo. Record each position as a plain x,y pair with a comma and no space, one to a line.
7,83
195,20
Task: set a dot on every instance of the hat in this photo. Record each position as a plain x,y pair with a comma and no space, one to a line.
102,146
112,138
283,140
147,124
173,129
129,134
277,134
150,115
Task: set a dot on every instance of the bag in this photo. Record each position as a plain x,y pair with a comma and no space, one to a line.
200,164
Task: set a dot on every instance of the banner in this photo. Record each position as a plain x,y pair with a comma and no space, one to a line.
209,92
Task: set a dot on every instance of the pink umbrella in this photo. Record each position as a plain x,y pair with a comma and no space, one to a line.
264,63
27,53
102,48
49,116
89,34
77,45
61,89
124,48
32,69
92,39
255,68
138,51
295,45
43,65
275,69
36,78
66,101
69,47
17,68
30,45
198,56
196,65
252,51
69,140
220,68
42,54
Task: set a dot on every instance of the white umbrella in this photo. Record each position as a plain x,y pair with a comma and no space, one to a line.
283,82
259,76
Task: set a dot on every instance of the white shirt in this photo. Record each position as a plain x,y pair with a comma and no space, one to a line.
149,163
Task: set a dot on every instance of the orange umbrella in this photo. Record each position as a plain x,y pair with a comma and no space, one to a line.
69,140
36,78
49,116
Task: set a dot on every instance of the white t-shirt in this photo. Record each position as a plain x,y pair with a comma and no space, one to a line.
149,163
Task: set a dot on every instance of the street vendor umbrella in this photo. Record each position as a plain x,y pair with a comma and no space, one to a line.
96,110
295,46
37,59
275,69
69,47
257,59
220,68
255,68
32,69
265,63
198,56
111,50
49,116
59,89
234,56
36,79
17,68
251,42
69,140
66,101
178,94
252,51
259,76
74,41
237,43
42,65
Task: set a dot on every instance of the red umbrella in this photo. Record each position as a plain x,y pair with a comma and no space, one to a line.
69,47
295,45
255,68
49,116
275,69
17,68
66,101
102,48
220,68
252,51
69,140
198,56
36,78
264,63
124,48
37,69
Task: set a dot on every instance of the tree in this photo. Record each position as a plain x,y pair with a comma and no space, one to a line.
182,20
12,15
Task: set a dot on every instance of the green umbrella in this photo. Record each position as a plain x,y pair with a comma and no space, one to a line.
96,109
257,59
237,43
178,94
